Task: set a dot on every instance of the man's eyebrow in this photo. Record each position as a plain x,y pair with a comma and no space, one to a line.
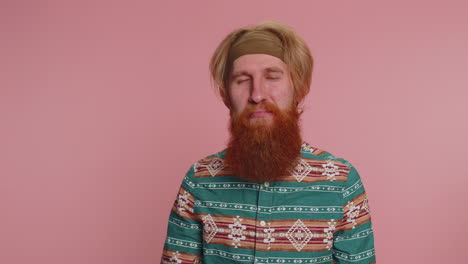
274,69
239,73
267,70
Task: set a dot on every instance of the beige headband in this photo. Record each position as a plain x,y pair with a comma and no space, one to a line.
256,42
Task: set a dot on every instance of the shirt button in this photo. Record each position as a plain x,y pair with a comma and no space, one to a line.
266,184
262,223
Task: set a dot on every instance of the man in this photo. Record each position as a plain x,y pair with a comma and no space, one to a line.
269,197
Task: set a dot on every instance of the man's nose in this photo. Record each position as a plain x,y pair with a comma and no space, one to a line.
257,92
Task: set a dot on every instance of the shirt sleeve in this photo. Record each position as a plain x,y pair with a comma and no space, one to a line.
184,233
354,237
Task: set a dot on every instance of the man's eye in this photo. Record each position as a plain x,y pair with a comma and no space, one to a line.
273,77
241,81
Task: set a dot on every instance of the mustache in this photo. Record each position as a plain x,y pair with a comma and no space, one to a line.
243,118
269,107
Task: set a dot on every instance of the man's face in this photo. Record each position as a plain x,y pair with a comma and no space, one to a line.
257,79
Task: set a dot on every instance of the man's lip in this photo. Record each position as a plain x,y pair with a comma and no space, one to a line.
260,113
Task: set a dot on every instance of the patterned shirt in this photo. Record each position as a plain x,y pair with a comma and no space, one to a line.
319,213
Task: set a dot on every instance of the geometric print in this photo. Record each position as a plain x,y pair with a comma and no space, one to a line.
318,213
330,232
184,204
358,235
306,147
352,213
236,231
211,167
176,257
279,209
299,235
183,243
183,224
330,170
255,186
246,258
350,190
356,257
301,170
313,170
356,212
273,235
305,170
215,166
209,228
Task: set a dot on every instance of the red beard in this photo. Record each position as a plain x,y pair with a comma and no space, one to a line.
264,152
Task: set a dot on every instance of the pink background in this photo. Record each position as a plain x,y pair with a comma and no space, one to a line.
105,105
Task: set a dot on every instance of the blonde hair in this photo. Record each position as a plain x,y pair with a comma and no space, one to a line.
296,55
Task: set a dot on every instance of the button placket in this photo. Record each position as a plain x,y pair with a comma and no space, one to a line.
264,235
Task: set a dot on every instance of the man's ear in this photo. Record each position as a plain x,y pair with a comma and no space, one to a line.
225,96
300,105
